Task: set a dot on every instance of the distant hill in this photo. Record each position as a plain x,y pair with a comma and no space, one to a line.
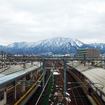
56,45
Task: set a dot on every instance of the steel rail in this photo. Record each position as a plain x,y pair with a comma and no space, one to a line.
28,91
42,90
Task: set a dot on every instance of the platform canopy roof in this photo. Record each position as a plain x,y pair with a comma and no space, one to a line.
97,76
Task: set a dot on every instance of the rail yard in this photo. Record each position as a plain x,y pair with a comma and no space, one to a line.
47,81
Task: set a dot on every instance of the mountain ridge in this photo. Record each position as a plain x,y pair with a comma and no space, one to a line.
57,45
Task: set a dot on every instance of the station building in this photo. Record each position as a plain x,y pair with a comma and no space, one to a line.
86,54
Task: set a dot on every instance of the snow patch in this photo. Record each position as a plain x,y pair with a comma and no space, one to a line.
67,94
56,85
68,99
55,73
56,94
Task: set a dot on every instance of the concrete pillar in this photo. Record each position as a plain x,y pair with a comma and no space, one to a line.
3,95
15,90
34,76
23,87
31,75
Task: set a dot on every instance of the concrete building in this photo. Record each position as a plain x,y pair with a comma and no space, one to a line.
87,54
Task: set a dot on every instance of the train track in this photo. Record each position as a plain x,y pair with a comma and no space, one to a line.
74,94
77,95
38,98
74,91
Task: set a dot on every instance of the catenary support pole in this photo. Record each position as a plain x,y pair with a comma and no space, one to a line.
43,72
64,77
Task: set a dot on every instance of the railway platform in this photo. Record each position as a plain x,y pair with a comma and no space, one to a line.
15,81
95,76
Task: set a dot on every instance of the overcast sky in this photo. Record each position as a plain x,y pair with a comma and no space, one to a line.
33,20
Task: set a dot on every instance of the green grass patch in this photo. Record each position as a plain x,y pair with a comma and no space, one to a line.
45,102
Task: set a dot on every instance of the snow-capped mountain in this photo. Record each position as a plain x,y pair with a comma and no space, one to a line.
56,45
20,45
100,46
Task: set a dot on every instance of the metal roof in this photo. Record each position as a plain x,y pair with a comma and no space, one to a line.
97,76
8,78
5,79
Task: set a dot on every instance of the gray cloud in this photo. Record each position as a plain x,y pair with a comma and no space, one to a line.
31,20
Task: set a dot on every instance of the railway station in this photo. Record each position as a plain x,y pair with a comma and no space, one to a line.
51,81
15,80
52,52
